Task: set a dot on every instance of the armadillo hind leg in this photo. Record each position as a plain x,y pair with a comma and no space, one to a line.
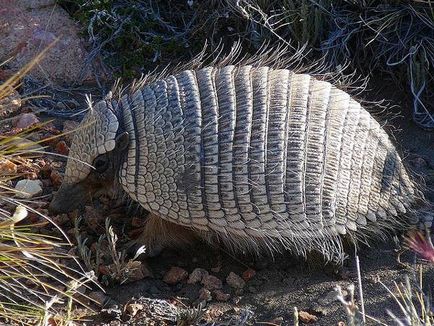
159,234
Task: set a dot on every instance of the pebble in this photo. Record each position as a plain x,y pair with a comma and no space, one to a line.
28,188
248,274
211,282
140,272
197,275
62,148
56,178
235,281
26,120
7,167
175,275
219,295
134,308
307,318
205,295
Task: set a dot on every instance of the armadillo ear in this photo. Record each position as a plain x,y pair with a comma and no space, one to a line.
122,141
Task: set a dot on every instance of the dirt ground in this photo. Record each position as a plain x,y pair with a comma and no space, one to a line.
282,283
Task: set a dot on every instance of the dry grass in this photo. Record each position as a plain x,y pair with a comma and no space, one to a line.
38,282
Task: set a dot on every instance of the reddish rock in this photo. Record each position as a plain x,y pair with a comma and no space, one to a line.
205,295
211,282
26,120
248,274
197,275
175,275
219,295
138,271
7,167
62,148
235,281
56,178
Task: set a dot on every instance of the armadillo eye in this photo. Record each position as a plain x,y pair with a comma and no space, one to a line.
101,163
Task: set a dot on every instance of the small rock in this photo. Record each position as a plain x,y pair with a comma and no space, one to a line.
26,120
197,275
56,178
28,188
211,282
235,281
134,308
62,148
7,167
139,271
306,317
219,295
98,297
205,295
248,274
175,275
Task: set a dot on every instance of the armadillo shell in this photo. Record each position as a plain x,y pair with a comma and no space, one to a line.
262,157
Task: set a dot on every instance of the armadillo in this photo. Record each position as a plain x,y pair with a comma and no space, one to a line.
250,154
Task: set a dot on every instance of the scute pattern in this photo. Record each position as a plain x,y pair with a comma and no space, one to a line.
260,153
96,136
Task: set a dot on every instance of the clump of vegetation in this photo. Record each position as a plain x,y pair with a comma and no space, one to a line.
133,36
107,261
37,285
394,37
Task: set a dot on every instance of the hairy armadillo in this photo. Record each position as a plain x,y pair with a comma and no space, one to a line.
250,154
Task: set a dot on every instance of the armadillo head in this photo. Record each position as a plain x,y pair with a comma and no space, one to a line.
94,158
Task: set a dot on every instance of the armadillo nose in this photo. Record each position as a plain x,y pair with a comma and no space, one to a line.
67,199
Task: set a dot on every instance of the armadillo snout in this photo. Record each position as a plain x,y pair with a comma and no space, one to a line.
67,199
